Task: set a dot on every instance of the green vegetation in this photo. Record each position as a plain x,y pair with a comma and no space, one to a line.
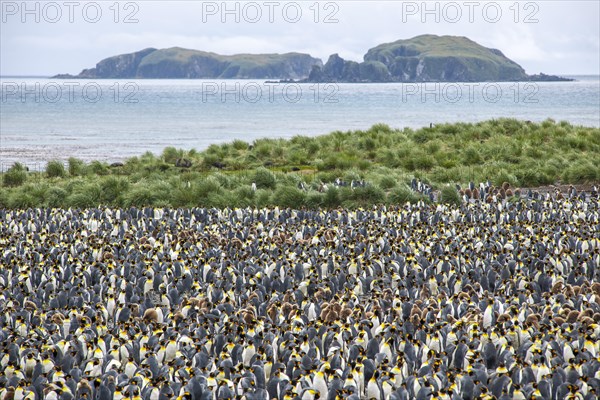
76,167
440,54
436,46
177,62
15,176
55,169
449,195
425,58
300,172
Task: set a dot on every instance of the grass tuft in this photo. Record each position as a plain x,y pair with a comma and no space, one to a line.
15,176
264,179
55,169
290,197
76,167
449,195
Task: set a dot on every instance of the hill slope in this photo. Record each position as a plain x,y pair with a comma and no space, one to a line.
176,62
426,58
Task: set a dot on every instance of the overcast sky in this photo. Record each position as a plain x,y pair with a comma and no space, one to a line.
47,38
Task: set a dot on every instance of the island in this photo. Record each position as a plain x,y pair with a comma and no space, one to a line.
424,58
180,63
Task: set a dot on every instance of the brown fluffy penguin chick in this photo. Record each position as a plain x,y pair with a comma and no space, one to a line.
572,317
150,315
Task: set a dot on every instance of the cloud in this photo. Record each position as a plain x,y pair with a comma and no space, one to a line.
518,44
565,38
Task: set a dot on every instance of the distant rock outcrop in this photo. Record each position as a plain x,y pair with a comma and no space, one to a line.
425,58
183,63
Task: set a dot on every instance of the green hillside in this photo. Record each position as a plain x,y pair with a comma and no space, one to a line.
177,62
291,172
444,58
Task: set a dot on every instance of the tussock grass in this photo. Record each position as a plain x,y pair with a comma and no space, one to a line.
289,197
401,195
55,169
521,153
264,179
76,167
449,195
15,176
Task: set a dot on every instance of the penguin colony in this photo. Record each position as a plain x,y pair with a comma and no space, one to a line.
495,300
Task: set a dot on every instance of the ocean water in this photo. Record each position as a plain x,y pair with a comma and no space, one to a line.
43,119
